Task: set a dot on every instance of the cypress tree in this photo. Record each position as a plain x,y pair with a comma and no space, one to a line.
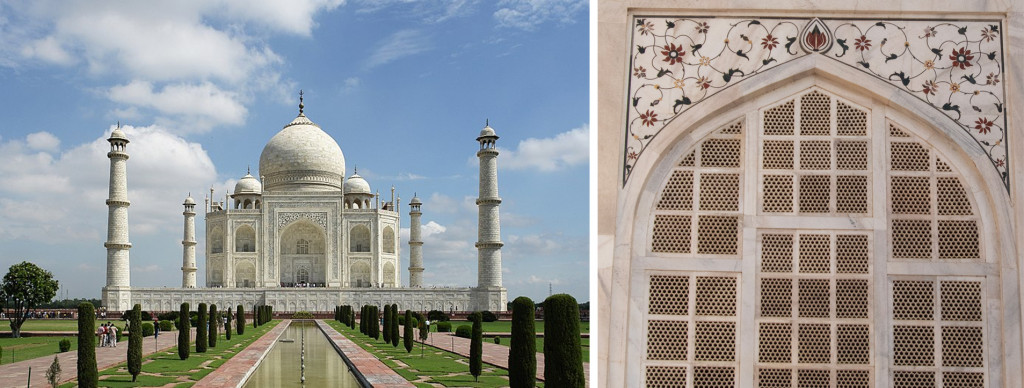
387,324
201,340
476,346
375,323
362,319
407,335
394,325
184,331
240,318
135,342
351,318
563,361
88,375
255,316
522,352
227,325
214,318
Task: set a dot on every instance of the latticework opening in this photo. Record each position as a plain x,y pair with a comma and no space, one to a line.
666,340
779,120
659,376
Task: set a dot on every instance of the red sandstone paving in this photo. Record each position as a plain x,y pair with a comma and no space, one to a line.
16,374
238,368
373,369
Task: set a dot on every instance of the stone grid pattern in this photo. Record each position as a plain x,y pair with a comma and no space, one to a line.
812,162
698,207
932,215
814,307
692,330
938,331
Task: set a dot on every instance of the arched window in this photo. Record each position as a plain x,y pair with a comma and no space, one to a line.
302,247
389,275
302,276
359,239
389,240
216,241
359,275
245,239
822,228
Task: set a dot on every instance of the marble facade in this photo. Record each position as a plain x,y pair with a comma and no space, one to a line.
651,120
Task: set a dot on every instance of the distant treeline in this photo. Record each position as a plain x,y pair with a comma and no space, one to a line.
69,304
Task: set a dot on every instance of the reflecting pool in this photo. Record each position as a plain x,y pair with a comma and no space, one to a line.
281,367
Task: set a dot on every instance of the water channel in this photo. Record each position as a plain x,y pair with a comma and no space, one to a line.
281,367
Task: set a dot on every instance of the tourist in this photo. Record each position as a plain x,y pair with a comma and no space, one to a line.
113,335
99,334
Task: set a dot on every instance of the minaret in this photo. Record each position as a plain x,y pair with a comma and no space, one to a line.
188,260
415,244
488,245
117,294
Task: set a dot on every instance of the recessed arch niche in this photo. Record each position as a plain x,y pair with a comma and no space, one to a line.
782,235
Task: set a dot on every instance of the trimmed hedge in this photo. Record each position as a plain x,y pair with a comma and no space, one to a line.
464,331
166,325
522,352
563,361
476,346
147,329
135,341
437,316
185,332
88,375
201,325
444,327
64,345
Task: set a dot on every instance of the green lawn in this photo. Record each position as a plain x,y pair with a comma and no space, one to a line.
506,326
584,345
54,325
435,366
24,348
165,369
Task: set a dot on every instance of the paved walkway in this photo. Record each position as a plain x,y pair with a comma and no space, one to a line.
492,353
237,369
16,374
375,372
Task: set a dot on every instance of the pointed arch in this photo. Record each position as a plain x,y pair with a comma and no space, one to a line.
245,239
641,266
359,239
389,240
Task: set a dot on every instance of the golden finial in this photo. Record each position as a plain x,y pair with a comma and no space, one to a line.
300,102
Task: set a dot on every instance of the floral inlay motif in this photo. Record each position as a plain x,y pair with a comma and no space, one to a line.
955,66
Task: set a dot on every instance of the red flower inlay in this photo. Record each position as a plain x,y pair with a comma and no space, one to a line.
702,27
673,54
769,42
632,155
649,118
639,72
961,58
862,43
816,39
983,125
704,82
930,87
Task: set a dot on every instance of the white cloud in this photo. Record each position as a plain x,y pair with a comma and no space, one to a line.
61,199
49,50
567,149
42,141
350,84
427,11
528,14
204,105
401,44
195,63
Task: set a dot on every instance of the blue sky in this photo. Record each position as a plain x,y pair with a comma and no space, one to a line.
200,86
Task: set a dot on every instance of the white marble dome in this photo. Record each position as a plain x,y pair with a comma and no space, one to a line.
248,185
487,132
355,184
302,157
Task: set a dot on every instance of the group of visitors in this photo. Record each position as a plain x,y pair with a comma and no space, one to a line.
107,334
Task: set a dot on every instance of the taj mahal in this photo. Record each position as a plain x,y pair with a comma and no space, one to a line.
304,236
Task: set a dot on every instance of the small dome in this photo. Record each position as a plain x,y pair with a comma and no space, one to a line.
355,184
189,201
302,157
248,185
487,131
415,200
118,134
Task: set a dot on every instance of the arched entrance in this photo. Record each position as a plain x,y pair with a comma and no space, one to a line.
303,257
